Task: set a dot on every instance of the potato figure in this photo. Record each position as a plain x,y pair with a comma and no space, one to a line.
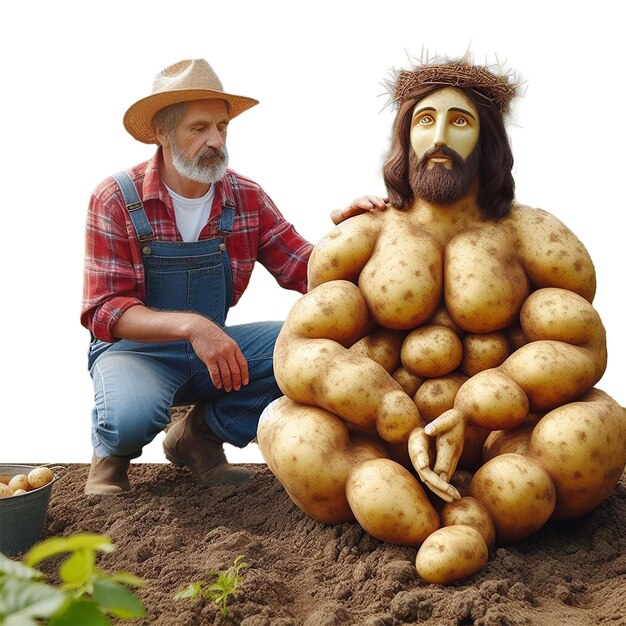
454,313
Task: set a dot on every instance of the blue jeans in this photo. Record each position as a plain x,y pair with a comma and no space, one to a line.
136,384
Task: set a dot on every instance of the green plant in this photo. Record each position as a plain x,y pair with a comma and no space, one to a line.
218,591
85,596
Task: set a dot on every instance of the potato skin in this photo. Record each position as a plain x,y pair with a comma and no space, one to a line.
481,352
470,512
582,446
312,452
451,553
389,503
518,494
431,351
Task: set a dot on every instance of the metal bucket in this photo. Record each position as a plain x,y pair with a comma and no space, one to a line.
23,517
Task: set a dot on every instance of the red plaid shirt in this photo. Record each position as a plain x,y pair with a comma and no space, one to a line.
114,274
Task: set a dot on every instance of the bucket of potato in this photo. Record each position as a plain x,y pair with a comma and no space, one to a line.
24,496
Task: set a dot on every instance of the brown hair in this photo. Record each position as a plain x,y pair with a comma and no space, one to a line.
496,187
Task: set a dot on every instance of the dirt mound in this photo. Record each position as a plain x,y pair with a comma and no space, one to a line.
172,532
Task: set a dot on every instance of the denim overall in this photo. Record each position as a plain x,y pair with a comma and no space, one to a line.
135,384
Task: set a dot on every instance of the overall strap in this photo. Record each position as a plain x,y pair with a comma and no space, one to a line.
134,206
231,191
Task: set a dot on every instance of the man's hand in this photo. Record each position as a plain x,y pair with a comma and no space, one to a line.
227,366
358,206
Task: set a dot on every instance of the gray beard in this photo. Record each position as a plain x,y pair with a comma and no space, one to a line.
208,167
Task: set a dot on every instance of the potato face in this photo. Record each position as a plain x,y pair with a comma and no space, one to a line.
451,553
389,503
582,446
431,351
470,512
518,494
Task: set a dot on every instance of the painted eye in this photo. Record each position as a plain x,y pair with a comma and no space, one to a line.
427,119
460,121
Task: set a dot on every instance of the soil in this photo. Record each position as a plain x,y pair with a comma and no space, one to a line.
171,532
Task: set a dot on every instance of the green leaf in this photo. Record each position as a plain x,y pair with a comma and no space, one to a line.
114,598
77,569
15,569
126,578
58,545
192,590
22,598
80,612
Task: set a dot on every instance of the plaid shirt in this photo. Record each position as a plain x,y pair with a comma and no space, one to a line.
114,273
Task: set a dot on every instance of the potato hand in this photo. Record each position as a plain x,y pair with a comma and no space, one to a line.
418,452
449,428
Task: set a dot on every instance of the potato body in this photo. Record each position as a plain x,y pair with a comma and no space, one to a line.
451,553
518,494
582,445
389,503
470,512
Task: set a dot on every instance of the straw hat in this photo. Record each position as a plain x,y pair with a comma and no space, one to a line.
181,82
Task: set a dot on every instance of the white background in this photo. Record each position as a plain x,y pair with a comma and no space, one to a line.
317,140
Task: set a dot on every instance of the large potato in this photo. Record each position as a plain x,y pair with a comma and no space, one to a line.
566,355
389,503
431,351
485,284
402,281
582,446
451,553
312,452
518,494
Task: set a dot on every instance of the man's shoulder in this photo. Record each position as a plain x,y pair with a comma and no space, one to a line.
243,182
108,188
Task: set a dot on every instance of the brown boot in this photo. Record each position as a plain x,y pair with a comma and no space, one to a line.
108,475
191,442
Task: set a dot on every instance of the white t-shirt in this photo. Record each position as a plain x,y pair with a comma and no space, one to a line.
192,213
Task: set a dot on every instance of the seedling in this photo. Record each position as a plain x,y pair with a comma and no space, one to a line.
85,595
218,591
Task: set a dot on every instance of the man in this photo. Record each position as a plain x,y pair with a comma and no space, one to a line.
170,246
460,308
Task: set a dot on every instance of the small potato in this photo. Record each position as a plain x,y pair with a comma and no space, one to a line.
470,512
19,492
481,352
20,481
410,383
437,395
431,351
389,503
5,491
39,477
515,440
451,553
518,494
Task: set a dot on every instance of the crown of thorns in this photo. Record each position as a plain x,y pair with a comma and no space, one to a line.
500,87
